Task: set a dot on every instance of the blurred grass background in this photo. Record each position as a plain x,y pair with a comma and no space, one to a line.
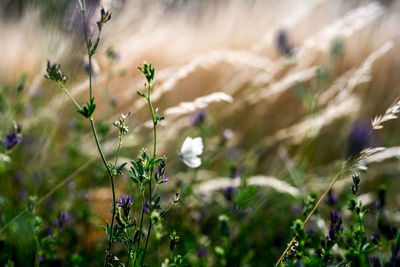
303,75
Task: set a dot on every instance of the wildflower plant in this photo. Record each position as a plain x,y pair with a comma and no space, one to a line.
147,171
357,245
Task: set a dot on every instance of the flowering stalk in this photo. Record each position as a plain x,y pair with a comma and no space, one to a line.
148,71
54,73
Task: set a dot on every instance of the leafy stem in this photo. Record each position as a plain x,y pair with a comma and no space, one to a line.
110,238
140,227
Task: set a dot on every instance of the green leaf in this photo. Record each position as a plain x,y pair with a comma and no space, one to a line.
157,200
163,213
94,49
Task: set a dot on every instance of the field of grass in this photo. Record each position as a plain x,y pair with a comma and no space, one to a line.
292,107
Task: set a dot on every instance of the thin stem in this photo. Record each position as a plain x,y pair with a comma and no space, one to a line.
170,206
140,230
90,57
154,127
129,254
96,138
155,190
37,257
119,147
158,253
70,96
152,166
88,46
148,233
310,215
90,74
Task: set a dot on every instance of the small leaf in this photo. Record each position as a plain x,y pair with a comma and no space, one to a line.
163,213
157,200
121,167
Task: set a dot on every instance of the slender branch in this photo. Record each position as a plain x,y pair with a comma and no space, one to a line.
88,49
70,96
119,147
155,190
152,166
88,46
311,214
96,138
148,233
140,230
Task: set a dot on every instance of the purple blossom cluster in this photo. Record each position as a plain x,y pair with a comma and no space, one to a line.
159,174
198,117
13,138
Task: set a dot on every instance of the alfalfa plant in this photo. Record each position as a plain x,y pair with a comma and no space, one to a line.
145,171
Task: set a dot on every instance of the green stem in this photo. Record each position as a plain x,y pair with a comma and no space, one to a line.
96,138
140,230
152,166
70,96
150,225
339,175
90,57
158,254
88,46
155,189
154,128
37,258
119,147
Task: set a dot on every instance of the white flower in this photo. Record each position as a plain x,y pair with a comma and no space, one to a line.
191,149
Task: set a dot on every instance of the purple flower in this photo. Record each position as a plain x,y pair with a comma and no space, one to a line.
374,261
125,203
145,206
228,134
202,252
12,139
332,198
296,210
198,117
282,43
309,229
229,193
105,16
159,174
359,137
62,218
335,227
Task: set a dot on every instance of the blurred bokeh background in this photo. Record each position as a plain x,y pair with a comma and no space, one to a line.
281,92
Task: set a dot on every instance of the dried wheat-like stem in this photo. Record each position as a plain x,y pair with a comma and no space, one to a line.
186,108
341,174
205,188
390,114
365,154
284,84
207,61
199,103
346,26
